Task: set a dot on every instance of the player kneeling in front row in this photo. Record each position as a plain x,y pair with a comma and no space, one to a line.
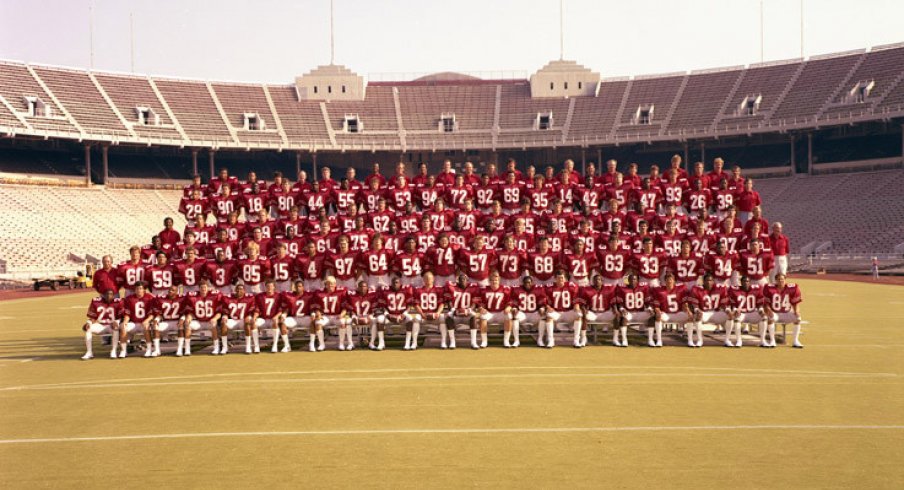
633,300
669,306
428,305
781,302
528,305
169,316
238,311
297,309
709,304
395,302
746,308
268,314
202,313
493,306
598,303
137,316
562,307
104,314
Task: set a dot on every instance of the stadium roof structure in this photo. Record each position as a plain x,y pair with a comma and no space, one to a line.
339,111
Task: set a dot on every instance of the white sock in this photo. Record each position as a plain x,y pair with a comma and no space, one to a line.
443,330
188,344
350,332
577,332
407,340
615,336
381,335
224,343
729,329
285,340
699,328
796,333
180,343
256,337
507,338
320,337
274,333
313,337
341,337
764,328
550,330
772,334
415,331
373,333
516,331
88,346
483,339
157,345
624,335
658,327
248,342
473,336
650,332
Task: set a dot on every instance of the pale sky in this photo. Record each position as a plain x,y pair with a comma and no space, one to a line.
272,41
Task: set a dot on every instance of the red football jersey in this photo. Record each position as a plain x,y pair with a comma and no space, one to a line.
686,269
542,266
529,300
396,302
578,266
597,300
441,261
633,299
613,264
189,274
562,298
649,266
669,300
342,265
220,274
375,263
105,313
160,278
329,303
203,308
511,263
170,308
721,266
746,301
129,274
268,305
494,300
429,299
712,300
477,264
756,266
253,272
236,308
460,298
138,309
361,304
282,269
409,265
781,301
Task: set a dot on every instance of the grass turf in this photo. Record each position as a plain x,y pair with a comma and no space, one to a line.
831,415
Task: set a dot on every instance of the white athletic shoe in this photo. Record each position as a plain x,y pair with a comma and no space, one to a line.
690,343
413,346
286,348
659,344
739,343
474,346
452,345
443,346
312,348
113,354
407,347
506,344
651,343
187,353
728,343
699,343
797,345
274,348
540,343
341,346
216,350
371,346
179,353
381,346
350,347
516,343
248,350
616,343
483,345
257,350
88,355
156,353
148,353
123,353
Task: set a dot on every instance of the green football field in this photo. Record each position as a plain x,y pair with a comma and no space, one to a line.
830,415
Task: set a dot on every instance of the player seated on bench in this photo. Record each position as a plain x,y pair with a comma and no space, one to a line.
429,307
104,314
137,316
168,311
202,313
561,307
493,306
395,302
268,314
745,308
709,304
329,303
598,304
528,306
460,298
633,303
297,309
360,306
781,302
669,306
238,312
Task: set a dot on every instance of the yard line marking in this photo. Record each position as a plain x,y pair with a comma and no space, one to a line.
521,430
431,369
369,379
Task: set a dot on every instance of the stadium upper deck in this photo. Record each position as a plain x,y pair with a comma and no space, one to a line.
836,89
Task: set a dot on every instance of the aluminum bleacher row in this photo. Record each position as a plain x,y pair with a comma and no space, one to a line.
488,113
53,229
